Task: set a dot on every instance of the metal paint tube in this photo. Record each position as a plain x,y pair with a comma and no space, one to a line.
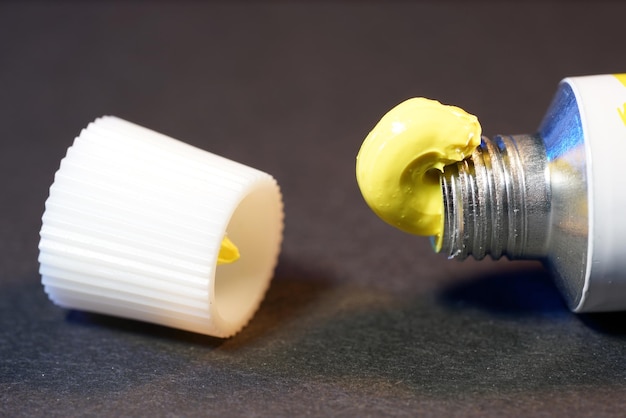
557,195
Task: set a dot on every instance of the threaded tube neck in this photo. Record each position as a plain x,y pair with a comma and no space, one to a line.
497,201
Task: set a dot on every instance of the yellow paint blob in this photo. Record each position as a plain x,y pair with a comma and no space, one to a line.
229,253
400,163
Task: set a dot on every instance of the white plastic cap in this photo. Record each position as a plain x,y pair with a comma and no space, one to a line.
134,223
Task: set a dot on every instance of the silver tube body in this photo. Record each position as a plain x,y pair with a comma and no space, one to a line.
525,197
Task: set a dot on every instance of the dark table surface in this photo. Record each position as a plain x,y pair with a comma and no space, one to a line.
360,319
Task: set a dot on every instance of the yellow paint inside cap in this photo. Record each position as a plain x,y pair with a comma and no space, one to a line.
399,165
229,253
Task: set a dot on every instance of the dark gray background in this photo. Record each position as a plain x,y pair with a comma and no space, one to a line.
361,319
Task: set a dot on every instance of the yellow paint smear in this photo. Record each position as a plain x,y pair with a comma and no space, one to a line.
622,111
621,78
399,165
229,253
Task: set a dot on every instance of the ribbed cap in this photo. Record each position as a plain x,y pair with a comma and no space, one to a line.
134,223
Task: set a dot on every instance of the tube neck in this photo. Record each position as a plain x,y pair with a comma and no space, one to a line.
497,202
